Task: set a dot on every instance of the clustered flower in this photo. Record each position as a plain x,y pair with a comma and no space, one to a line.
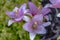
37,18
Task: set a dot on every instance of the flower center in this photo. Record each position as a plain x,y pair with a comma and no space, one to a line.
34,25
16,13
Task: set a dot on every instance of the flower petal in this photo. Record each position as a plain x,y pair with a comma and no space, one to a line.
45,11
26,18
54,1
28,12
10,22
18,19
32,36
10,14
40,30
56,5
38,18
15,9
48,5
27,26
46,24
46,17
33,8
23,7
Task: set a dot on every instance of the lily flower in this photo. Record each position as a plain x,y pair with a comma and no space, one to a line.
36,26
55,4
35,10
17,14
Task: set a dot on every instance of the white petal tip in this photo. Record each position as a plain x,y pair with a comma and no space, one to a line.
10,22
32,36
26,18
15,9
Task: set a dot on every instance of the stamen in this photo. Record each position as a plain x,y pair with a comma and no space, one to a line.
34,25
35,22
15,9
16,12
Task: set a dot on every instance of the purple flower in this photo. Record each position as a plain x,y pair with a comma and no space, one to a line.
55,4
35,10
36,26
17,14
